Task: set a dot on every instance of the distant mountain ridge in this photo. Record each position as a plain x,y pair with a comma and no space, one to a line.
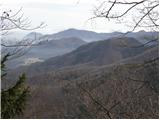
65,41
72,42
90,36
104,52
86,35
33,35
47,49
99,53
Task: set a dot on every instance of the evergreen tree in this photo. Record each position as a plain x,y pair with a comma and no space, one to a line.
14,98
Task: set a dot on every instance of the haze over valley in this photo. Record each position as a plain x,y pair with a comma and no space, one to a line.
56,44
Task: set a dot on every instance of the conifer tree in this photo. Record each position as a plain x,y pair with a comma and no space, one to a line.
13,99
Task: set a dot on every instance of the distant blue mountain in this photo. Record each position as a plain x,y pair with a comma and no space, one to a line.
90,36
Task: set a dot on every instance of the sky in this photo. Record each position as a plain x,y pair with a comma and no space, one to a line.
59,15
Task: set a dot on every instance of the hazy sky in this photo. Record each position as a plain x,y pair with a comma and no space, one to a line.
62,14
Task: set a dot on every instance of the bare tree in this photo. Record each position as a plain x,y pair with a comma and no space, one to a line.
138,13
97,102
10,20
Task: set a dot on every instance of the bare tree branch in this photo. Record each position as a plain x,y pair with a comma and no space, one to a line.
9,21
138,7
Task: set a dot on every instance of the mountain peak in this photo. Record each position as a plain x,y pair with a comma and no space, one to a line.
71,29
142,31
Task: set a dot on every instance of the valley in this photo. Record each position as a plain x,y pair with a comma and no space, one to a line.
113,77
